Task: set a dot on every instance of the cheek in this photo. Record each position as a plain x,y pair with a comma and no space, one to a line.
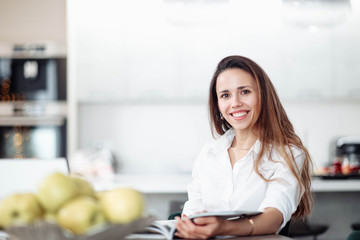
256,107
222,107
253,101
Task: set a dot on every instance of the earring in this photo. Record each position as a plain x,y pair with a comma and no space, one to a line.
221,116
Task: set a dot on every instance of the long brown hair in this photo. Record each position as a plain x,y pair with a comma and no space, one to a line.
274,126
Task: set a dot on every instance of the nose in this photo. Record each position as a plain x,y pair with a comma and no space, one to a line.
236,101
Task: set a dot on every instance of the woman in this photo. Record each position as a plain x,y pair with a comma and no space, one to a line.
258,163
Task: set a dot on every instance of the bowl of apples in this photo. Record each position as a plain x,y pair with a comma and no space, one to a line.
67,207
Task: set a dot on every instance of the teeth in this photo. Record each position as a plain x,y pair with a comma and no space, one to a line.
239,114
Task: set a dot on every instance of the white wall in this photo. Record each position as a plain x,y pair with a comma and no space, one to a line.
147,138
23,21
166,138
317,123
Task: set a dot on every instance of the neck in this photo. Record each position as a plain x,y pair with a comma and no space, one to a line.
244,140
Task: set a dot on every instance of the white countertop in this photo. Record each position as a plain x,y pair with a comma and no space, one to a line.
146,183
177,183
341,185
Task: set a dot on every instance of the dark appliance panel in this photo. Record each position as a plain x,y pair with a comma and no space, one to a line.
33,79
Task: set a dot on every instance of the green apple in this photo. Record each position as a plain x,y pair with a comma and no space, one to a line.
55,190
122,205
84,187
19,208
98,195
81,215
50,217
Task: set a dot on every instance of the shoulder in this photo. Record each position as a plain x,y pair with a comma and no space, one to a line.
298,155
295,154
294,151
221,143
216,146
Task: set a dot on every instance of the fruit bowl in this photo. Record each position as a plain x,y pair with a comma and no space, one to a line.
51,231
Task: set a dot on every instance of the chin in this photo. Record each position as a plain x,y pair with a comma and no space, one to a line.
242,126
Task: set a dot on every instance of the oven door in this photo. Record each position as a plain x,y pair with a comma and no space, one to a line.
32,137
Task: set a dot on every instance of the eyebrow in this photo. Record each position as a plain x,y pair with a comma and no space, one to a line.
238,88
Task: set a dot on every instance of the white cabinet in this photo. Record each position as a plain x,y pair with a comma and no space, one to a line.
154,50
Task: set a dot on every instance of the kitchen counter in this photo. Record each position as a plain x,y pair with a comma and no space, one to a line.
177,183
166,193
340,185
146,183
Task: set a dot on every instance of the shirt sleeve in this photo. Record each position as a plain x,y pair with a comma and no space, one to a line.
195,203
283,192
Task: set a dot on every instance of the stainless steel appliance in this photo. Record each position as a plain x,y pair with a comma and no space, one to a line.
349,145
38,130
348,150
344,158
33,107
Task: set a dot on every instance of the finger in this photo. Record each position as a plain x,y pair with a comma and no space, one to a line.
208,226
204,220
203,211
180,225
188,235
188,225
186,228
191,230
181,230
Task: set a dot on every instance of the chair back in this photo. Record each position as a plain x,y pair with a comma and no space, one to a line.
355,235
174,214
285,230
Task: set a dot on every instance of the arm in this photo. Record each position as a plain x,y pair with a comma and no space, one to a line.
195,203
266,223
283,191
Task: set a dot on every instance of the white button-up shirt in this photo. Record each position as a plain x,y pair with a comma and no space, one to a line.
217,186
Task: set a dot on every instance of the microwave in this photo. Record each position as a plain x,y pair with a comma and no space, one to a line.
33,78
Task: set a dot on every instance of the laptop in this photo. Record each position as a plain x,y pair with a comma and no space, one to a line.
25,175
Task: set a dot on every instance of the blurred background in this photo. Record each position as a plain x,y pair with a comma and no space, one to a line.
129,81
142,71
138,71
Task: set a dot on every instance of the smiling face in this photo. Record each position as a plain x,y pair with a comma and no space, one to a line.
238,98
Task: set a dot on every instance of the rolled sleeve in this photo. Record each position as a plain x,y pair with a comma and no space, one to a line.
283,191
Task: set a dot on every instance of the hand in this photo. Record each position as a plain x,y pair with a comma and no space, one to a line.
199,228
184,215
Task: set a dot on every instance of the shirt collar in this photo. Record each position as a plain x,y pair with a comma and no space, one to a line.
225,141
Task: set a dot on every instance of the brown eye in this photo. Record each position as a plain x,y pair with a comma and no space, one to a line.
245,92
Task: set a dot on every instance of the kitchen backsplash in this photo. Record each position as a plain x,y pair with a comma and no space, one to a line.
166,138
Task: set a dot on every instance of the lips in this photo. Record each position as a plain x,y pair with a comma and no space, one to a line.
239,115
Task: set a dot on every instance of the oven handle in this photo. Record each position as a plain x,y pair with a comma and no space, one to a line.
32,121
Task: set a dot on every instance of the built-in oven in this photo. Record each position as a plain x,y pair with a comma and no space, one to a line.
41,135
33,106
